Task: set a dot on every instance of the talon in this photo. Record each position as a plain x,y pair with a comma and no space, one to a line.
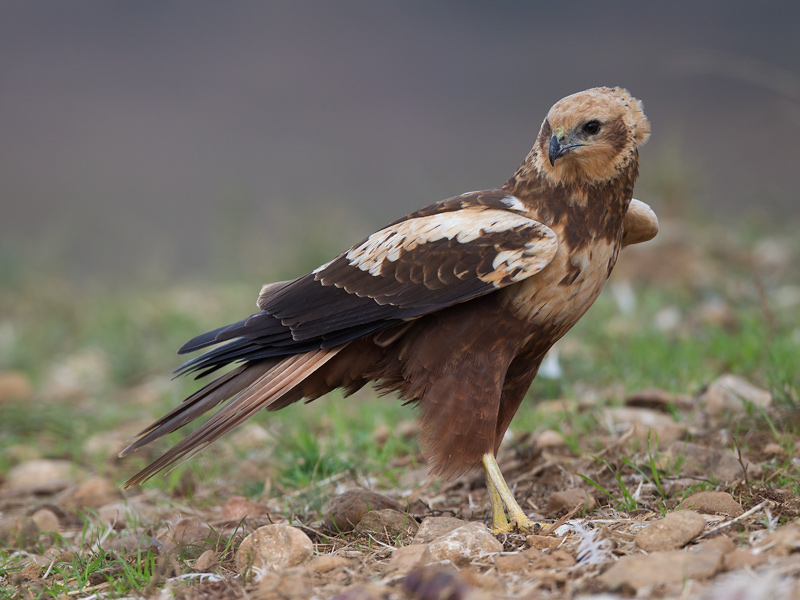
501,498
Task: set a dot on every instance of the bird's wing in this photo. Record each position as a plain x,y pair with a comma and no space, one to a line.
640,224
444,254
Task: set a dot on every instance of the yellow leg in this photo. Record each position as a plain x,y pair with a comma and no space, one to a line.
500,495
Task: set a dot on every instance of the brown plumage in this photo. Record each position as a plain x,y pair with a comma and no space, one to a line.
452,307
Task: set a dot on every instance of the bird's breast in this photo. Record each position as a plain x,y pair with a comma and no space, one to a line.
556,297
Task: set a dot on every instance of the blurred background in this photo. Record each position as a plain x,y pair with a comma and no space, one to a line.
151,140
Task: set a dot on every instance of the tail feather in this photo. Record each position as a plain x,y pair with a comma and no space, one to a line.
273,383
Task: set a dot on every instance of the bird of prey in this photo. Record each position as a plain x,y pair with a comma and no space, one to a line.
452,307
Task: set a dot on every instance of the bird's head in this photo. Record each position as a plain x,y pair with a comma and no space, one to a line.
591,136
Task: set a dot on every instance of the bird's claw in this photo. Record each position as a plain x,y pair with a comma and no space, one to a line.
527,526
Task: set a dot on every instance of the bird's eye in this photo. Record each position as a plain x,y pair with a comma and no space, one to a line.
592,127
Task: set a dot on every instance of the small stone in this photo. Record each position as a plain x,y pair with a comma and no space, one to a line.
117,513
646,423
274,547
549,439
658,400
637,571
464,544
435,581
288,584
407,429
42,476
380,435
207,562
730,393
511,563
673,531
14,386
713,503
346,510
95,492
407,557
239,507
46,520
773,449
783,541
543,542
434,527
701,461
741,559
388,522
566,500
188,531
328,562
251,436
18,531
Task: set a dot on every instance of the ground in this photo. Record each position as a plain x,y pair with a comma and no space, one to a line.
660,445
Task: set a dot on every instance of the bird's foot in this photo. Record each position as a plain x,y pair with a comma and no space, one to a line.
526,526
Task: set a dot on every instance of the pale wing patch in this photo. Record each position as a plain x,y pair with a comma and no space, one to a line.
520,257
513,203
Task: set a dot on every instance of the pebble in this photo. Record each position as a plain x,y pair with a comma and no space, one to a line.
239,507
42,476
713,503
18,531
673,531
15,386
566,500
407,557
346,510
636,571
328,562
549,439
289,584
464,544
743,559
511,563
543,542
730,393
95,492
46,520
388,522
701,461
131,543
646,423
187,531
251,436
434,527
274,547
207,562
658,399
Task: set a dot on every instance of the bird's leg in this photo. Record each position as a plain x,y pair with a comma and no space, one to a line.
500,495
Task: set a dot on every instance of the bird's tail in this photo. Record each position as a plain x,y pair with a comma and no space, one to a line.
268,384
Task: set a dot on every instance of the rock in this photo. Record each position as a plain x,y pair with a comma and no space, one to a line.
274,547
673,531
549,439
543,542
18,532
566,500
239,507
329,562
15,386
742,559
464,544
46,520
346,510
730,393
713,503
435,581
701,461
388,522
408,557
207,562
42,476
434,527
380,435
783,541
658,400
511,563
78,375
289,584
250,436
188,531
117,513
95,492
635,571
646,422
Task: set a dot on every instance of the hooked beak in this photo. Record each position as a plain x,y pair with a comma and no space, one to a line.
556,150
